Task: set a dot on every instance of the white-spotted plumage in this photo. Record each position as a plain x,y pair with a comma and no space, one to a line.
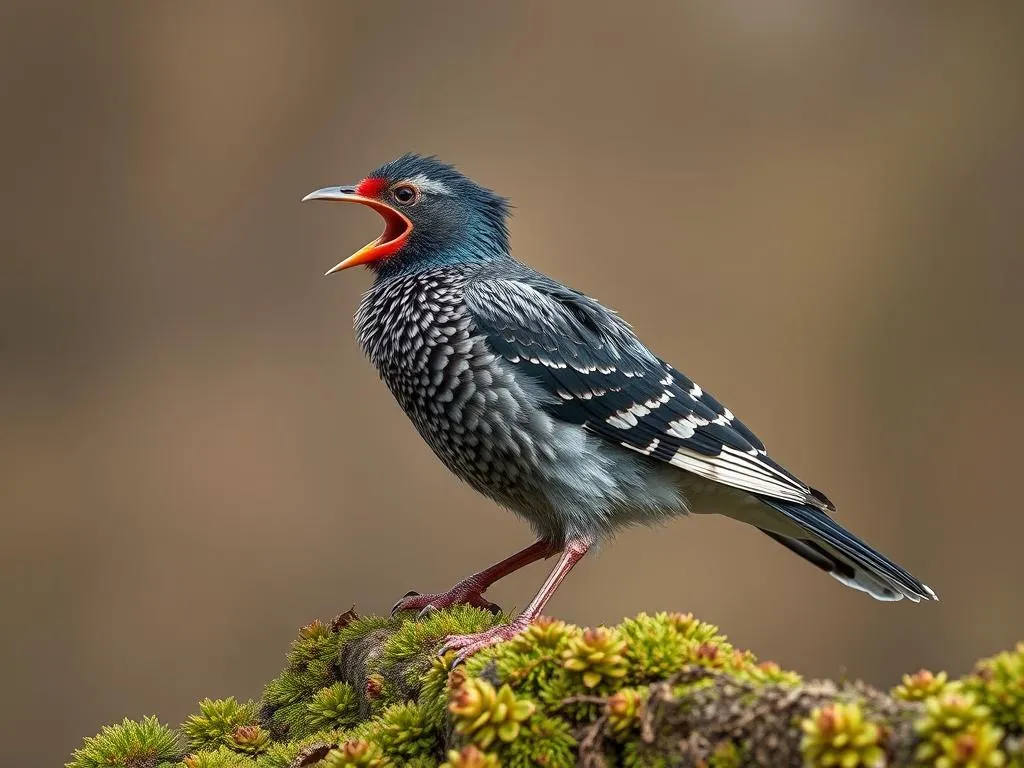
546,401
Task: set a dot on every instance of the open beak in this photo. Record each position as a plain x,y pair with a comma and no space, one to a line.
397,226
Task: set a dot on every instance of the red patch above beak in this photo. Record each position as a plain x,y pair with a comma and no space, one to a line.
371,187
397,226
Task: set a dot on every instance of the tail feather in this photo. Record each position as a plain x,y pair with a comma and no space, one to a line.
845,557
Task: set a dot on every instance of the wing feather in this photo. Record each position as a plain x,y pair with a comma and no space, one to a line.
598,374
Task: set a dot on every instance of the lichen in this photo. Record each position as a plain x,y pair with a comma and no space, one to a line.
662,689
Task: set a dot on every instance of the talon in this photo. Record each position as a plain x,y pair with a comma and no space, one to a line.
397,607
426,611
458,595
494,608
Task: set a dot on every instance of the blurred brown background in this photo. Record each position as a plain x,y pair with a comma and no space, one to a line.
814,209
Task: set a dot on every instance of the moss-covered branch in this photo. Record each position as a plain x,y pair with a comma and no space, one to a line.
660,690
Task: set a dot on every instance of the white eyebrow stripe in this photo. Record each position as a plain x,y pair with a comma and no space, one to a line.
429,185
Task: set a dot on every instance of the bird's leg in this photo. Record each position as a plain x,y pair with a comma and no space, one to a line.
471,590
467,645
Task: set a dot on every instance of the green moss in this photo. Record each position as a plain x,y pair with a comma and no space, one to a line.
976,746
952,722
248,740
921,685
144,744
215,721
840,735
470,757
623,710
404,731
333,707
434,690
727,754
998,683
546,741
656,690
597,657
484,715
408,645
219,757
637,754
356,753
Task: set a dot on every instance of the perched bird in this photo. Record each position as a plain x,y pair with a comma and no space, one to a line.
545,401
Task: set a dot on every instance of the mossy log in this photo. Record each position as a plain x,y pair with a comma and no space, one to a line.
662,690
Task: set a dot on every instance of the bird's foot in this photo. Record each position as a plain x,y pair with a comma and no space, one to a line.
466,645
463,593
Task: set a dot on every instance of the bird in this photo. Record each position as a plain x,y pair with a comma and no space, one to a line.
547,402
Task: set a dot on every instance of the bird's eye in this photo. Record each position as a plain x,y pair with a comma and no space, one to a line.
406,194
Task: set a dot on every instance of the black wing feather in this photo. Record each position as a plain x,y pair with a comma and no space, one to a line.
598,374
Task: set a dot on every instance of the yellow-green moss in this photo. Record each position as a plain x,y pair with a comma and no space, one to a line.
371,692
957,730
596,656
998,683
470,757
839,735
484,715
144,743
922,685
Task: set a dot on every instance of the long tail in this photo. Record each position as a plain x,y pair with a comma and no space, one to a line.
844,556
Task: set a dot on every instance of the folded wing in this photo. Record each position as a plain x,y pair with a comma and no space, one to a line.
598,374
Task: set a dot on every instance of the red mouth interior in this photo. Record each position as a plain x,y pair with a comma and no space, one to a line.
395,226
396,229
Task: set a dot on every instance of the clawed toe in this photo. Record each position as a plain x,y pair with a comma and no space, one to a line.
482,602
400,606
426,605
465,646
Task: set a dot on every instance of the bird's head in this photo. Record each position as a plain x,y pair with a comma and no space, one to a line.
432,215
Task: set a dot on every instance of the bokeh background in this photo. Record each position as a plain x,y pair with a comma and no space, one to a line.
815,209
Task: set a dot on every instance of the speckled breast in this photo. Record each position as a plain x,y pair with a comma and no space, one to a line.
421,338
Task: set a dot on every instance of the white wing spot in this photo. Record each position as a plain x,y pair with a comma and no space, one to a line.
622,420
681,428
639,410
658,401
696,392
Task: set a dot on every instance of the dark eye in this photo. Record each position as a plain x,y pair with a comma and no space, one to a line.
405,194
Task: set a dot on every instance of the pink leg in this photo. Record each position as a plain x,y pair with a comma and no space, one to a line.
471,590
467,645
